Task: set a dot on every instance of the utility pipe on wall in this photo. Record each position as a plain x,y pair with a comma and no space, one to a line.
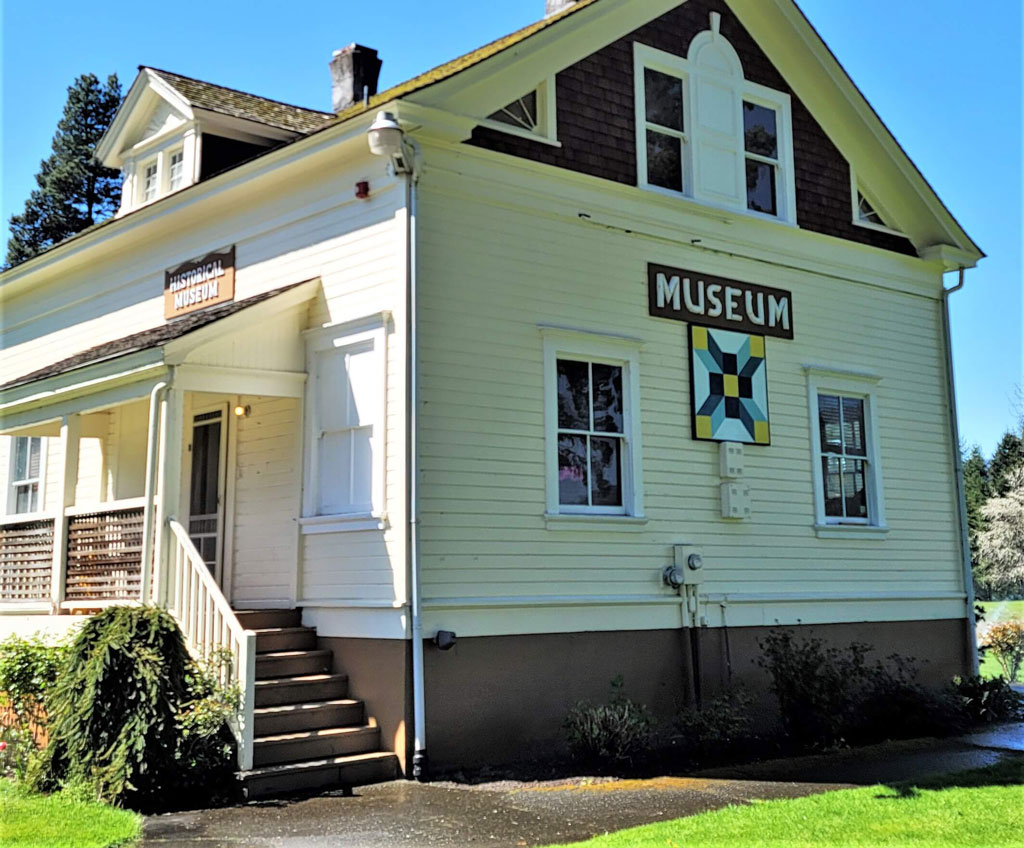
152,444
965,545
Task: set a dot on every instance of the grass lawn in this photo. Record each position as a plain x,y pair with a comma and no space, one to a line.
971,809
29,820
998,611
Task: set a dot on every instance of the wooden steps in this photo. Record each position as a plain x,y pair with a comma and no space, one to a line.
308,733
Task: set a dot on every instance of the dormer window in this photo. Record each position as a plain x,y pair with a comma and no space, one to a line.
706,133
176,172
150,183
532,115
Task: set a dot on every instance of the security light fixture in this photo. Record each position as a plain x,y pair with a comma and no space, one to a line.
385,136
242,411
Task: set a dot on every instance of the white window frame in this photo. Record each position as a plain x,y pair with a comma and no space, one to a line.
179,151
560,343
340,336
547,117
645,56
828,381
144,166
11,500
855,190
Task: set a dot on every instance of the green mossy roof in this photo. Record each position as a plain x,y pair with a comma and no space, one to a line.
239,104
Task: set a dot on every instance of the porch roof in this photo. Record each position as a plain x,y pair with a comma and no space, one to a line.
87,380
146,339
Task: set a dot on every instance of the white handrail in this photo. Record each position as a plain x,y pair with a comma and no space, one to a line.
209,624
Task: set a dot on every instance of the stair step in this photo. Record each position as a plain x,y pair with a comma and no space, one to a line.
315,744
270,639
292,663
261,619
294,718
357,770
301,689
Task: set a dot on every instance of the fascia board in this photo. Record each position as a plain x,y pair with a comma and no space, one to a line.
807,64
493,82
111,145
87,379
323,142
177,351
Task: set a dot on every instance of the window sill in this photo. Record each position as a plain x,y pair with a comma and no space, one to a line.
850,531
315,524
581,521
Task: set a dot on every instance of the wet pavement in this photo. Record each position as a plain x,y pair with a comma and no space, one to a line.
510,815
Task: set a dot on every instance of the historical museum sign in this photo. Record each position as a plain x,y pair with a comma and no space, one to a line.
719,302
200,283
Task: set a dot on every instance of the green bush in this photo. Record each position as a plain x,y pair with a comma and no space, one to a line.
719,731
28,669
610,735
121,715
984,701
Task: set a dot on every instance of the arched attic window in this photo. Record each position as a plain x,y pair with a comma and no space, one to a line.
705,132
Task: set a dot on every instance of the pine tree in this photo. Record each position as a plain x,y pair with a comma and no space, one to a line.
975,495
75,191
1008,456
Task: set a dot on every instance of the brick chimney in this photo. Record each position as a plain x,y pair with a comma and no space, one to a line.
553,7
354,73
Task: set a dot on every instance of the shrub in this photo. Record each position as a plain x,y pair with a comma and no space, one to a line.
816,685
28,670
720,730
985,701
120,713
1005,640
609,735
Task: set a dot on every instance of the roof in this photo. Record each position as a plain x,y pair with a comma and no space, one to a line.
147,339
240,104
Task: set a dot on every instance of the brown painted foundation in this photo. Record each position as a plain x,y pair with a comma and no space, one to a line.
379,674
498,699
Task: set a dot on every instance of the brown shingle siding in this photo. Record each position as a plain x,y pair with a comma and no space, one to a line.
596,123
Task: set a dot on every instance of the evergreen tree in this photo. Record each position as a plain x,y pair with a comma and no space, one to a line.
1008,456
75,191
975,494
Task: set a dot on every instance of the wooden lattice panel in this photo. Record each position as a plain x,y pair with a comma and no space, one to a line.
104,556
26,560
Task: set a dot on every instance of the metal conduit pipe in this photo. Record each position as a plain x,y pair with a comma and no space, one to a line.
958,466
156,397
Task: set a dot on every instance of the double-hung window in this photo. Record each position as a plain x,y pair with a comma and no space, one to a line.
593,451
176,172
345,427
26,475
706,133
847,473
150,181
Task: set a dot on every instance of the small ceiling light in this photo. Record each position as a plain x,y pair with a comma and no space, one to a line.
385,136
242,411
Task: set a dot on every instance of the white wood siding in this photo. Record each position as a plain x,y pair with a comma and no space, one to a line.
499,260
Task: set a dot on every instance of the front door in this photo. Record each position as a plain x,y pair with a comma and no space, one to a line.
206,492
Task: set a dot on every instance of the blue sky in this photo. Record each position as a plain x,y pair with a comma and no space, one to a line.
944,77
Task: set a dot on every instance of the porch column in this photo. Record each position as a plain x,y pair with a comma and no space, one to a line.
70,439
171,435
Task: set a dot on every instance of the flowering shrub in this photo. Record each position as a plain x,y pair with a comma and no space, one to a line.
1005,640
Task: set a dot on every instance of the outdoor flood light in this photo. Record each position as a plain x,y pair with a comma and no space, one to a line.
385,136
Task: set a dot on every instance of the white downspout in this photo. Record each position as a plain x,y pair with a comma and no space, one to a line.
152,445
965,545
419,757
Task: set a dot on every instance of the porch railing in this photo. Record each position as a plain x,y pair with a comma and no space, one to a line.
26,560
210,627
104,556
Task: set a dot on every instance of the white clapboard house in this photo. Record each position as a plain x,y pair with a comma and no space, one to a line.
599,351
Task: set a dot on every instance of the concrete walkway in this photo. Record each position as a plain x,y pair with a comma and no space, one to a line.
514,815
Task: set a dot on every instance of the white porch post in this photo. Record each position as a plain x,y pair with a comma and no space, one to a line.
70,439
171,433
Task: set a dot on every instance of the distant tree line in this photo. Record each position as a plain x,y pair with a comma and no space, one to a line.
994,492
